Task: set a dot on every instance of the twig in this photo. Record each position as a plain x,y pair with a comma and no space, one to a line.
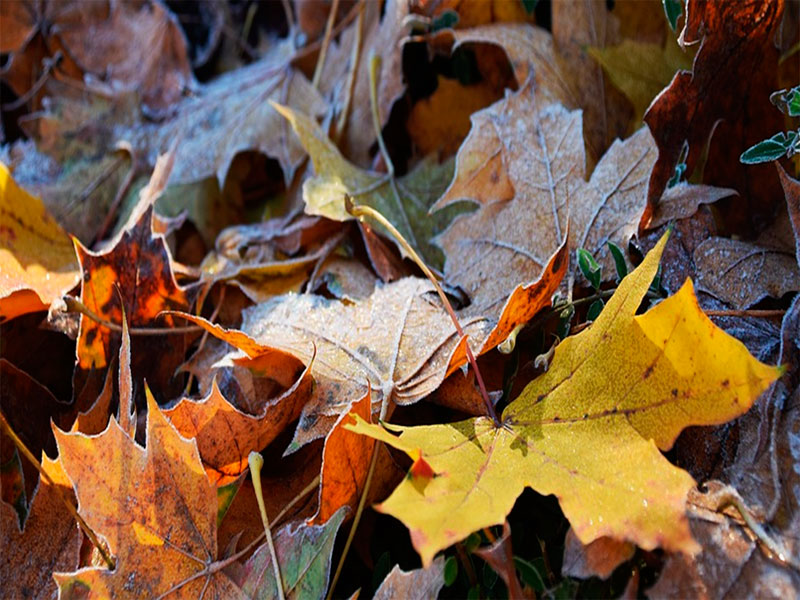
351,80
759,314
73,305
35,462
326,40
256,461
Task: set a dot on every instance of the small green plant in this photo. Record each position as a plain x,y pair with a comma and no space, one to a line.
782,143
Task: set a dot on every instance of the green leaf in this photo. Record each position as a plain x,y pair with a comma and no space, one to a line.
672,9
594,310
787,101
225,496
770,149
680,169
474,592
565,321
529,5
619,260
450,570
381,569
589,267
472,542
530,573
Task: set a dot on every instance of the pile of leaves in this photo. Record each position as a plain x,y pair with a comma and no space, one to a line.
400,299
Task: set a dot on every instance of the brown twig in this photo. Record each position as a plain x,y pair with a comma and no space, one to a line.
73,305
759,314
326,41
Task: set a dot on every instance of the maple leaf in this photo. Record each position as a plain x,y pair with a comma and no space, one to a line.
589,430
736,38
37,259
156,509
226,435
140,267
404,201
526,230
50,539
399,341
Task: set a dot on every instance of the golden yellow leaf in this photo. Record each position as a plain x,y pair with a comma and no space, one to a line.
589,430
37,259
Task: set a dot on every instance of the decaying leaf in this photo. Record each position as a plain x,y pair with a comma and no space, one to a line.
155,507
589,430
596,559
37,260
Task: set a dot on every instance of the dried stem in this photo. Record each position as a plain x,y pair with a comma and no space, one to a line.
760,314
326,41
35,462
256,461
76,306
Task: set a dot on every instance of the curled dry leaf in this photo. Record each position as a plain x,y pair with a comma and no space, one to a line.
399,341
589,430
226,435
37,259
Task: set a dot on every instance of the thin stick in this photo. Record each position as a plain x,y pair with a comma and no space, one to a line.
367,211
326,41
760,314
76,306
359,510
35,462
374,74
351,80
256,462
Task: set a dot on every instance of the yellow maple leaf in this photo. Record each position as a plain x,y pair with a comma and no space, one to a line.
589,430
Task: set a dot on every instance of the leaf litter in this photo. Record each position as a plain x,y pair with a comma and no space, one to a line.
642,383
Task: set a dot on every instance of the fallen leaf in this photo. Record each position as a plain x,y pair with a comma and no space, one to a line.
791,190
50,539
683,199
735,38
97,44
418,584
399,341
742,273
137,271
37,257
640,380
345,463
527,234
118,483
304,554
226,435
404,201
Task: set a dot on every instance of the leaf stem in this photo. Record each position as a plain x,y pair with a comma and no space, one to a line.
35,462
367,211
73,305
762,314
256,462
